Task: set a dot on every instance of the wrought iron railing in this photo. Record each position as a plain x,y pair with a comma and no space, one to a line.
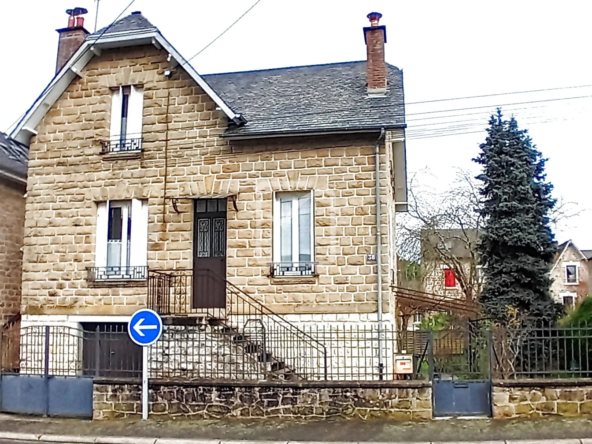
288,269
128,145
98,350
543,352
279,344
130,273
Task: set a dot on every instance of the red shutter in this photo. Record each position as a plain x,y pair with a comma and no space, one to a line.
449,278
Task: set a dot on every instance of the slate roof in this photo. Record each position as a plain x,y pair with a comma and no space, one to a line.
316,98
133,22
587,253
14,157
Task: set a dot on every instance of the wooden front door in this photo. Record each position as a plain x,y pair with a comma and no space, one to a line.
209,254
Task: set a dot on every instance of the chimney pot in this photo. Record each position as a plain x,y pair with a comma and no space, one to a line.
375,37
374,18
72,37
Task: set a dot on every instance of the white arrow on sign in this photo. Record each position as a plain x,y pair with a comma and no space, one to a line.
139,328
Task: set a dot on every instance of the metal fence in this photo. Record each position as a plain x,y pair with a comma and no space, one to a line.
255,351
543,352
99,350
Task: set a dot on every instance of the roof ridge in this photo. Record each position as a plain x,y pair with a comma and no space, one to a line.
283,68
136,20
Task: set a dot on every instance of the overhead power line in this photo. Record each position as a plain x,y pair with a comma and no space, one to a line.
95,41
222,33
499,94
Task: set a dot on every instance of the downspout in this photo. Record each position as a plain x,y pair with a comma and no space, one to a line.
379,248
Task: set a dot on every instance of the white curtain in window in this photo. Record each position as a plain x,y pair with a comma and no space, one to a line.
139,234
293,235
101,234
116,114
136,113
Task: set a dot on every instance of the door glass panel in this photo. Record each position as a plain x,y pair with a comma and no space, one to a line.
212,206
286,230
114,237
219,247
304,234
203,237
200,206
222,205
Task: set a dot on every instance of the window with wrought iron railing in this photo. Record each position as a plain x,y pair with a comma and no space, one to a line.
286,269
118,145
117,273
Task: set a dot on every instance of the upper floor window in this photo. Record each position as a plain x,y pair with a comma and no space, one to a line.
127,109
293,237
571,274
449,278
121,241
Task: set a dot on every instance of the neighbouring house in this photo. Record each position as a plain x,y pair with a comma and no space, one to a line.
13,182
226,198
571,274
450,265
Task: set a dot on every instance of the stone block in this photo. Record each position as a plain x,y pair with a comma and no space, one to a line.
568,408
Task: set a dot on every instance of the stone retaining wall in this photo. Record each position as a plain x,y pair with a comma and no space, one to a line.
398,401
521,399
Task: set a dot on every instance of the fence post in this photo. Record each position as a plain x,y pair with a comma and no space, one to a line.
490,352
46,368
1,350
431,354
97,351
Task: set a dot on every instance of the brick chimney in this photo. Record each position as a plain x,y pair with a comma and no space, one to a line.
72,37
375,37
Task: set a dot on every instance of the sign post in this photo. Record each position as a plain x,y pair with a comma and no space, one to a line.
145,328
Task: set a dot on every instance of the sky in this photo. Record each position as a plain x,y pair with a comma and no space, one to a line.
447,50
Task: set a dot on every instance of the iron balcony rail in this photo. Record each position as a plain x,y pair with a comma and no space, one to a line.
283,348
289,269
127,145
130,273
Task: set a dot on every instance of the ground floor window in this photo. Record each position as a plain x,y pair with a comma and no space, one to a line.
293,234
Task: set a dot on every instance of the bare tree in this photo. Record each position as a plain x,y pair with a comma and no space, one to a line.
441,229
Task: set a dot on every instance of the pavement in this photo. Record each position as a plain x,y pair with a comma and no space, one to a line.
14,429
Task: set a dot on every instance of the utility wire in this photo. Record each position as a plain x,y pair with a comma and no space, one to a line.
222,33
499,94
343,110
95,41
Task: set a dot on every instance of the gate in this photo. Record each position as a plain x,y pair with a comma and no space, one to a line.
42,372
461,372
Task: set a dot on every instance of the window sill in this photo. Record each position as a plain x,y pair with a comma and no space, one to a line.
123,155
571,283
118,283
293,280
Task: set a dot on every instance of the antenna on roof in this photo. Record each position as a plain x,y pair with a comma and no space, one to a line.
97,15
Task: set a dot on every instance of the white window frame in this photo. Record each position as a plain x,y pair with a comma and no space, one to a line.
571,264
294,196
135,116
572,295
137,256
480,269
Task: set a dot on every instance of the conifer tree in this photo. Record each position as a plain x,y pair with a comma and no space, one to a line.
517,245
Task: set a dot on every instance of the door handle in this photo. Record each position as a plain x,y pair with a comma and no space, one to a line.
461,385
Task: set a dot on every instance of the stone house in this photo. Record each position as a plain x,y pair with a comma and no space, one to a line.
449,263
264,180
13,181
571,275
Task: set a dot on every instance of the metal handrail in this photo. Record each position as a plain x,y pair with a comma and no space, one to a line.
169,293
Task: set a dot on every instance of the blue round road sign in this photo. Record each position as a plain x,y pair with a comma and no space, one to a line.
145,327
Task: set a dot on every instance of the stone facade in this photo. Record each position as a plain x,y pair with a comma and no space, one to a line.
546,398
560,287
11,241
403,401
185,157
